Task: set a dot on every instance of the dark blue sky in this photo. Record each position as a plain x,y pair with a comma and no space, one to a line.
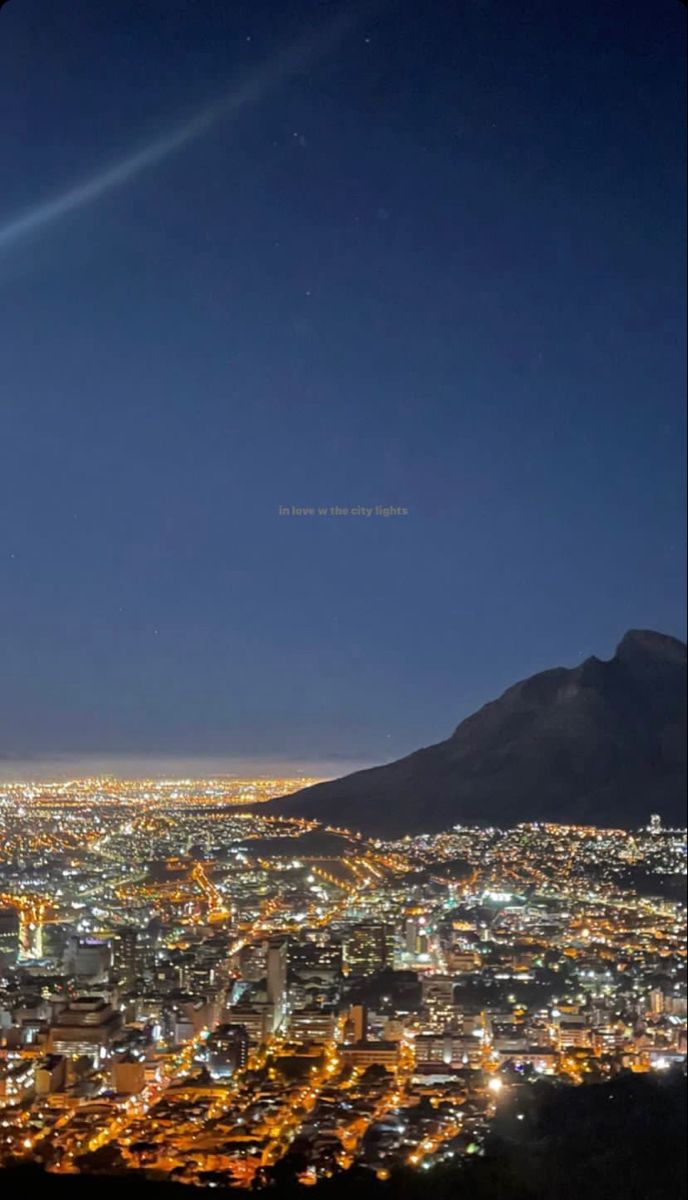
435,260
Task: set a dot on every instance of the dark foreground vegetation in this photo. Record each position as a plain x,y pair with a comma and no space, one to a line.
623,1140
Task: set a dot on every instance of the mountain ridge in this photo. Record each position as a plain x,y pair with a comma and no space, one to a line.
600,743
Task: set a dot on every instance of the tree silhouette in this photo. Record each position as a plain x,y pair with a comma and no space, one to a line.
108,1159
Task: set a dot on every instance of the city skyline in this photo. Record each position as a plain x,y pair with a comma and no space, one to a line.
195,985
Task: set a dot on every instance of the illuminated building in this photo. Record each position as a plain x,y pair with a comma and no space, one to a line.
609,1039
438,1001
368,1054
656,1001
85,1026
227,1049
189,1015
368,948
463,960
573,1031
88,957
314,1024
453,1050
308,959
16,1081
9,934
544,1060
126,956
431,1048
256,1019
414,929
358,1022
252,961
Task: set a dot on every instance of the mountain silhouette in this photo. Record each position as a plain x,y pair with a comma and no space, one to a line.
602,743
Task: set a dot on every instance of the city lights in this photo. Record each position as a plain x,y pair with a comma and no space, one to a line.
179,986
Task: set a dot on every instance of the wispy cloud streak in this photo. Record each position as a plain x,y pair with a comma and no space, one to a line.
228,108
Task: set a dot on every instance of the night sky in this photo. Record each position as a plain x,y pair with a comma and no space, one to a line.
426,255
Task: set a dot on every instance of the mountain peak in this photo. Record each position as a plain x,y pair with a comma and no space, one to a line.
600,743
647,643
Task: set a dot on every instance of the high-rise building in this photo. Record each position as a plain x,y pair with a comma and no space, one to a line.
438,1002
411,933
227,1049
9,934
276,970
655,825
308,959
657,1001
675,1005
358,1022
126,955
88,957
256,1019
368,948
252,961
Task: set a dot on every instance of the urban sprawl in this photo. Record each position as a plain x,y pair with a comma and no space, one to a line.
194,986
